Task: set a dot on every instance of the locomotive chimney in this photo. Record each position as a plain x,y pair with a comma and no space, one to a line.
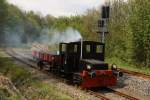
81,48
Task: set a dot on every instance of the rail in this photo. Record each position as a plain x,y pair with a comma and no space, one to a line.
145,76
96,94
122,94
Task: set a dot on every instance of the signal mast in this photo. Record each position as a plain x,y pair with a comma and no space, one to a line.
103,22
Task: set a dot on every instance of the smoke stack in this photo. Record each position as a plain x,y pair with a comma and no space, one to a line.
81,40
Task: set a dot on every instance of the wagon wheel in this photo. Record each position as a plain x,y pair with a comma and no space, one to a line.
50,67
40,65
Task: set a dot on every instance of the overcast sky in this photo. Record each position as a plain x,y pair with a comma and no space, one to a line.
57,7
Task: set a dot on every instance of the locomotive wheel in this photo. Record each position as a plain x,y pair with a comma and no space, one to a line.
77,79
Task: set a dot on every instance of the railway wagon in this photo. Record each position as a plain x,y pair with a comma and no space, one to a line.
47,59
82,62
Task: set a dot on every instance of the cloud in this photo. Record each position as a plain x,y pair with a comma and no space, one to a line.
57,7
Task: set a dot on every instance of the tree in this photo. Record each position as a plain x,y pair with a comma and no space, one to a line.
119,39
3,15
140,26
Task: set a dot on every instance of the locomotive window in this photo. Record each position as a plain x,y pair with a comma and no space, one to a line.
63,47
70,48
99,49
75,48
88,48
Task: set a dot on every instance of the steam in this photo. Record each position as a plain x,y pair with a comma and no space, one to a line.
69,35
17,36
14,35
51,37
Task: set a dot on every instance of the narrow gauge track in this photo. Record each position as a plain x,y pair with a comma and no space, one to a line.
99,95
121,94
32,64
20,58
145,76
133,73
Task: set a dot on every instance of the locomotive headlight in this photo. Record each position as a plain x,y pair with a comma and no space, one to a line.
89,67
114,67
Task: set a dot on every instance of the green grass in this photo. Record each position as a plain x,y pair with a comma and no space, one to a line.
47,91
34,88
125,65
5,95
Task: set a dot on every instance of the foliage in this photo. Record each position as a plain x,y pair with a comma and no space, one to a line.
140,26
4,94
129,28
84,24
3,14
119,41
129,38
122,64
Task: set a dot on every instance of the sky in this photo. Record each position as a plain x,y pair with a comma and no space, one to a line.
57,7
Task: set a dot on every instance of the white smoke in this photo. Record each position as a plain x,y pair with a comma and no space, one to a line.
16,36
13,35
51,37
69,35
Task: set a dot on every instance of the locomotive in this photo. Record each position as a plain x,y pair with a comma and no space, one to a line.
82,62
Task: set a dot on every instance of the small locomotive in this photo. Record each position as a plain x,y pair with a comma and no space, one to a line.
82,62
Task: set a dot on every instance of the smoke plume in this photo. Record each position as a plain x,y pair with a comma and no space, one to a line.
51,37
69,35
17,36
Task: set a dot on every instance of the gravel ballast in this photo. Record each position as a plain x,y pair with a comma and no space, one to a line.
134,86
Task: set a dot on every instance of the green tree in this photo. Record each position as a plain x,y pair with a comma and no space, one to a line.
14,27
119,39
3,15
140,26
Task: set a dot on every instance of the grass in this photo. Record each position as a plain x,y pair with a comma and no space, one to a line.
33,88
48,92
4,95
125,65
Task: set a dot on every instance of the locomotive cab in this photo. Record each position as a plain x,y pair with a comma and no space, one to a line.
75,52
